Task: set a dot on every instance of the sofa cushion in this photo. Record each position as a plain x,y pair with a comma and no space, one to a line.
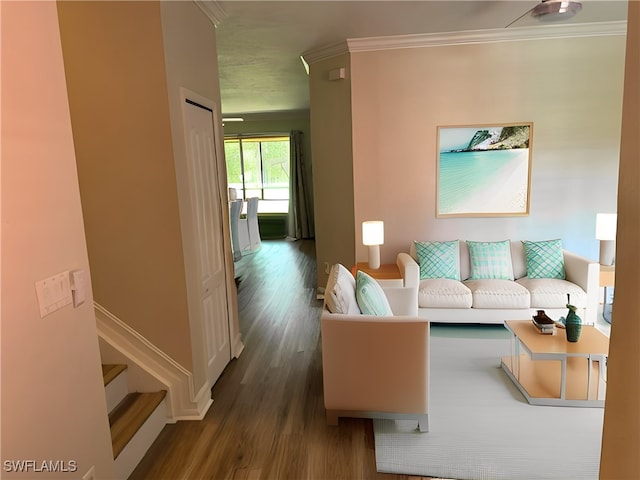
340,293
439,259
490,260
544,259
552,292
498,293
443,293
370,296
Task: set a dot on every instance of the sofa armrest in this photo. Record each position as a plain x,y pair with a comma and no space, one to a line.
409,270
403,300
367,360
586,274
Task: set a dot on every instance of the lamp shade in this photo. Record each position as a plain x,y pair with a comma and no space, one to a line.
373,232
606,226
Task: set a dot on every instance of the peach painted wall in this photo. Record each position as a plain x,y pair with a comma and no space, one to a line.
116,75
333,179
571,89
621,433
53,402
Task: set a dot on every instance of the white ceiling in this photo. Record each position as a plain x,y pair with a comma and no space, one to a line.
260,42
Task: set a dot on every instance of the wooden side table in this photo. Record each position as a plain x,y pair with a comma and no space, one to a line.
608,281
388,273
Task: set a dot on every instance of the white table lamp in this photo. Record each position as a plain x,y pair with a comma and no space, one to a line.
373,237
606,233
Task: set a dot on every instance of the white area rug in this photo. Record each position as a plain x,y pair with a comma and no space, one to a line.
481,427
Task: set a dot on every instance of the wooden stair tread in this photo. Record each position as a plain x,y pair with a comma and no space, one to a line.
109,372
130,415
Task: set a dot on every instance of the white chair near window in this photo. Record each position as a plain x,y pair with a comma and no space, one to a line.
235,209
252,223
248,231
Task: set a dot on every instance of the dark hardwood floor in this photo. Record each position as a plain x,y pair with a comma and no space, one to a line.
268,420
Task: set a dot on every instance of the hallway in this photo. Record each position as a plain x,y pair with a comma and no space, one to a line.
268,420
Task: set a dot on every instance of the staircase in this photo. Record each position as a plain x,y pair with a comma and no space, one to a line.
136,419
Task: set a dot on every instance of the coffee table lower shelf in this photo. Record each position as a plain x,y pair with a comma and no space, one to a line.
540,381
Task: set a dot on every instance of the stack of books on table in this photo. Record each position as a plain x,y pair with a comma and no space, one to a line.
544,324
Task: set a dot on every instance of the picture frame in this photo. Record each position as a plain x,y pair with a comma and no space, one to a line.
484,170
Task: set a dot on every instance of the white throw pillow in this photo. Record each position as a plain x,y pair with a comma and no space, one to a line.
340,293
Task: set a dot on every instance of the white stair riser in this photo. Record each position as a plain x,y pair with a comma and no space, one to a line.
140,443
116,390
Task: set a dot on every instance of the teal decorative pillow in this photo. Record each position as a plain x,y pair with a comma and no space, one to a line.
370,296
439,259
544,259
490,260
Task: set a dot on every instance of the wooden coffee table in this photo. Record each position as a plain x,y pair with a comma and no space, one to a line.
549,370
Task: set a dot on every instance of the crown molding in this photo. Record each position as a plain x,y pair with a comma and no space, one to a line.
541,32
328,51
212,10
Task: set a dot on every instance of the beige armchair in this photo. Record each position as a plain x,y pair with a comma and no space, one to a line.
375,367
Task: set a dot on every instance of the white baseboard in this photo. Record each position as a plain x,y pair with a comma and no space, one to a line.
237,346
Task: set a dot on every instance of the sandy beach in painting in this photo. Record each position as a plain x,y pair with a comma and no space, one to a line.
470,189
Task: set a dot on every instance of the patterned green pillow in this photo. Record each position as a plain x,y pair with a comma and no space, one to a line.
370,296
490,260
439,259
544,259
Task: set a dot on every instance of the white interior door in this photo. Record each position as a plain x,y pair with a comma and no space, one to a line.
213,317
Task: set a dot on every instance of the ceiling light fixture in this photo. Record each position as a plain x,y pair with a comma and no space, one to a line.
304,64
555,10
232,119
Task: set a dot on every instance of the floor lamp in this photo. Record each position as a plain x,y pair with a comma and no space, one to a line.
373,237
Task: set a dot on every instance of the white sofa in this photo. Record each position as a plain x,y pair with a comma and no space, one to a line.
493,300
373,366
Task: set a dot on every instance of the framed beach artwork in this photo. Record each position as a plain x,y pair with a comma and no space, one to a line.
484,170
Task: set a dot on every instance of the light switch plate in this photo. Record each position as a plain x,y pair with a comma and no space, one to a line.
79,285
53,293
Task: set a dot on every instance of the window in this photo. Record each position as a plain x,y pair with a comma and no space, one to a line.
259,167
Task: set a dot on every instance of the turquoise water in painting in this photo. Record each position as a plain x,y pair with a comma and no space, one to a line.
464,174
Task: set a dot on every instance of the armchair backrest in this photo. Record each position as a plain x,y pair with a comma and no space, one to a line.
375,364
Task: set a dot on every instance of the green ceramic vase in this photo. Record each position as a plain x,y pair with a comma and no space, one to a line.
573,323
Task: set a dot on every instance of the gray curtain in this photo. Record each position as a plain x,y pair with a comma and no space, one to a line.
300,219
